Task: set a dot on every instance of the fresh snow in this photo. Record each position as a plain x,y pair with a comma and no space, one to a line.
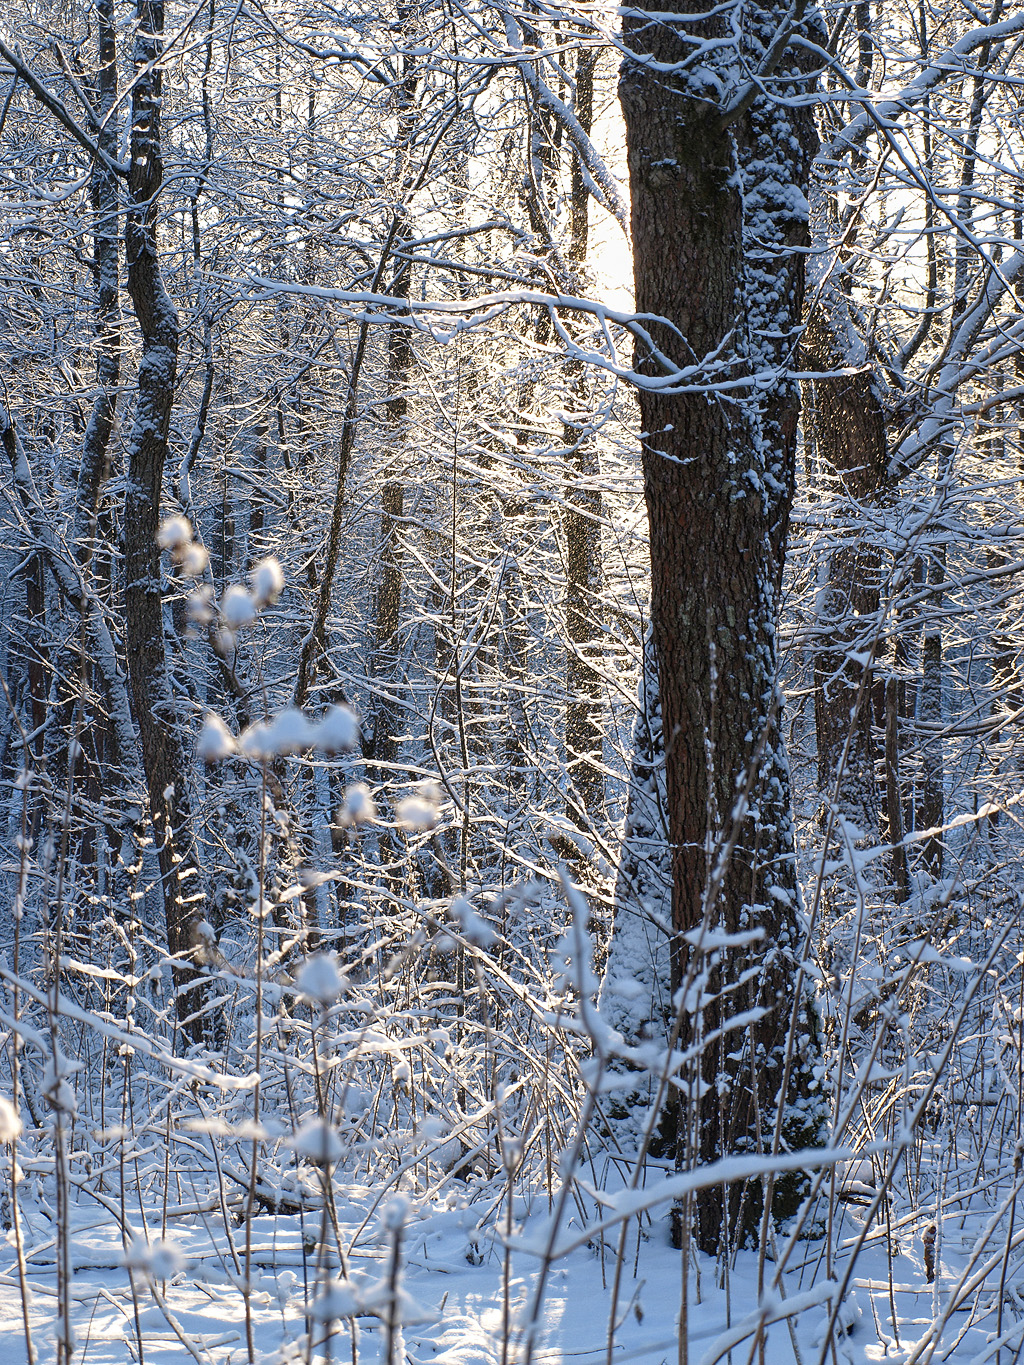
188,1300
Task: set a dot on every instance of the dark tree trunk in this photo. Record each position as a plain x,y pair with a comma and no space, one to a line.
104,194
931,807
930,813
37,652
719,228
95,463
584,733
846,421
386,709
152,698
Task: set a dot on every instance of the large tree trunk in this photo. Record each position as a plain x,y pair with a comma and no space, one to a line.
719,225
152,698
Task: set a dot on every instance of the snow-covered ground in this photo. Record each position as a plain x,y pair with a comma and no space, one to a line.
459,1290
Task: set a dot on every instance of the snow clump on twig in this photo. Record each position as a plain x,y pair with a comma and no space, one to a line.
174,534
177,536
319,1142
319,979
420,813
237,608
240,606
160,1260
358,807
199,606
215,740
337,731
266,582
194,559
10,1121
57,1092
473,928
290,732
416,815
339,1299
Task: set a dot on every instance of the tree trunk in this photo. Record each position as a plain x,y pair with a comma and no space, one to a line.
386,708
152,698
104,194
931,806
636,991
846,422
37,652
584,734
719,227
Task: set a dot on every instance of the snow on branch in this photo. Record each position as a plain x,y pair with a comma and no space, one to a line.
951,64
602,183
445,319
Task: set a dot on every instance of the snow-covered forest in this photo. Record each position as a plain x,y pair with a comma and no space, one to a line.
512,535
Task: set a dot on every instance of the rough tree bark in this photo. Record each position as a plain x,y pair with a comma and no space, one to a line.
718,178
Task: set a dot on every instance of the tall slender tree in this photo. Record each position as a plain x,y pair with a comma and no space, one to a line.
153,702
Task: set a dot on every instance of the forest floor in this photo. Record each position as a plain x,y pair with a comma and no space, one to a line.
454,1305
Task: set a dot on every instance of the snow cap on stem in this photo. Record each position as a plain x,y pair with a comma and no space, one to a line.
358,807
318,1142
175,534
237,608
10,1121
421,812
473,928
199,607
159,1260
337,731
215,740
319,979
266,582
290,732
